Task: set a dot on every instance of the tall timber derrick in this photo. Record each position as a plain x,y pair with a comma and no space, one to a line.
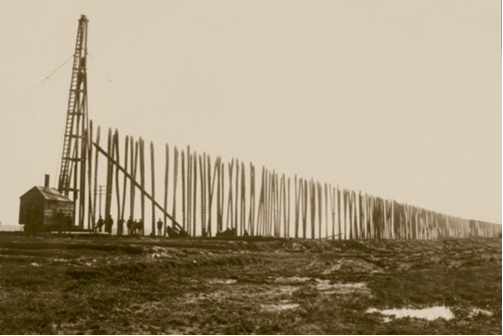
72,162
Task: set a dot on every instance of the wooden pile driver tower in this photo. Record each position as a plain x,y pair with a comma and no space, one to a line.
73,158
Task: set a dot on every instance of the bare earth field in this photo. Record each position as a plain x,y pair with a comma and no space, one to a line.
110,285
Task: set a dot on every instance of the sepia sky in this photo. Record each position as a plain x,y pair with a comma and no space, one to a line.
400,99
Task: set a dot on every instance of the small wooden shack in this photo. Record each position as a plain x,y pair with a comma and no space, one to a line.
45,209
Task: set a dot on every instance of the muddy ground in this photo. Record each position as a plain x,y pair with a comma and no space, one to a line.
111,285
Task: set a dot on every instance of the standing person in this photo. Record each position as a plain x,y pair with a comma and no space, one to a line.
60,219
130,225
140,226
101,222
69,221
109,222
160,224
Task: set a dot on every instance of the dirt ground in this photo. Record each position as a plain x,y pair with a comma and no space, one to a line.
110,285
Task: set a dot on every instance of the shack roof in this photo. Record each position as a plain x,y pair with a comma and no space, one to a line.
49,194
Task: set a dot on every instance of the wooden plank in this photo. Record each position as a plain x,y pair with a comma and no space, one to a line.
381,218
108,182
89,139
260,209
222,193
355,216
235,222
184,209
271,203
166,188
320,209
243,200
124,184
332,208
404,222
108,199
258,223
312,189
279,204
339,213
230,208
82,187
206,176
284,205
117,184
194,196
326,210
267,201
274,205
288,210
370,224
264,201
211,189
304,208
175,182
263,205
253,222
76,189
134,167
355,223
202,176
189,190
219,186
393,223
360,211
251,210
96,180
142,183
152,173
267,198
345,213
350,213
298,204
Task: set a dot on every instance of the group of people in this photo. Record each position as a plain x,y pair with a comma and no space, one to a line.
133,226
136,227
170,231
108,223
65,222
